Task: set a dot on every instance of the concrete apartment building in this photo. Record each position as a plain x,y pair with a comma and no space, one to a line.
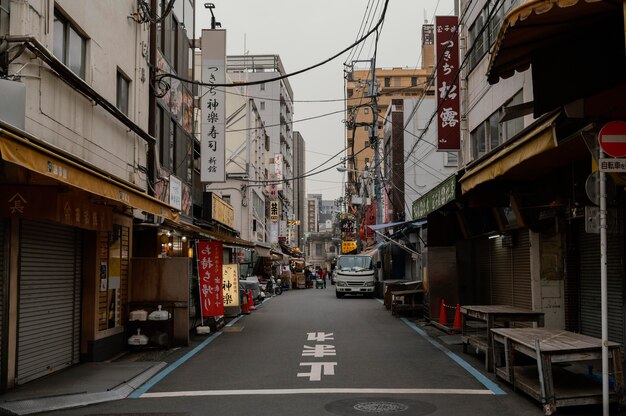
391,83
274,101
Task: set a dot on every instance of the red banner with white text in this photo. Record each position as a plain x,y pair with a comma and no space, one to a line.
210,277
447,75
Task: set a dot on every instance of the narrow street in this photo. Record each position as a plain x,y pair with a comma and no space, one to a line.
307,353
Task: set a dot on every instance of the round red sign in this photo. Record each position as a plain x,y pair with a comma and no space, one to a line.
612,138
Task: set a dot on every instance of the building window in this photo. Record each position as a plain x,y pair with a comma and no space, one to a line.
319,249
451,159
387,82
414,81
491,133
122,98
69,45
262,86
511,127
366,110
262,105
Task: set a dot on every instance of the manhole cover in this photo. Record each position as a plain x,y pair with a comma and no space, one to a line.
380,406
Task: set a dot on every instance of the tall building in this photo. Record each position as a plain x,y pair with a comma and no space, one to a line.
274,100
299,188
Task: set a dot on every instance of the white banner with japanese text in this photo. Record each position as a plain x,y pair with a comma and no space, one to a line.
213,107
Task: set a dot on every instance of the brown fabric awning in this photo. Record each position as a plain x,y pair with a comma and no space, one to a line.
26,153
214,235
538,23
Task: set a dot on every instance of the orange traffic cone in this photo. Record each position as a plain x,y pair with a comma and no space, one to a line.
250,300
457,317
244,303
442,314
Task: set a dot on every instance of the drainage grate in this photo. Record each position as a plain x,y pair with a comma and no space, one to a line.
380,406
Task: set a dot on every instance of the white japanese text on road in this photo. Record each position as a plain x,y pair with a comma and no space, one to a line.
318,368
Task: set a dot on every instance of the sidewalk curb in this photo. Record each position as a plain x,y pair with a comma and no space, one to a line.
46,404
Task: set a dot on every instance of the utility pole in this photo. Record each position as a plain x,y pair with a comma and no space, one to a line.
376,140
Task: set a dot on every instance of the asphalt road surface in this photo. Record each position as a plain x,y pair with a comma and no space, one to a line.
308,353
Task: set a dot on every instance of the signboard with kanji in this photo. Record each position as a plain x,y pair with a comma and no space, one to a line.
348,246
447,76
209,255
274,211
612,138
230,284
437,197
278,170
212,143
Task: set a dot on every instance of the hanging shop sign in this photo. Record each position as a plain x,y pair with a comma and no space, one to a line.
273,188
278,170
274,211
222,211
230,284
348,246
447,75
209,256
213,106
176,192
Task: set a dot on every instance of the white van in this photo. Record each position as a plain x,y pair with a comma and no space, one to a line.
354,274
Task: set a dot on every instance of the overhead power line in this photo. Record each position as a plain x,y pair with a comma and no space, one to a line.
160,77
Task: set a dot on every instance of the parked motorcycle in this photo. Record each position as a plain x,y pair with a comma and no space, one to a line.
273,287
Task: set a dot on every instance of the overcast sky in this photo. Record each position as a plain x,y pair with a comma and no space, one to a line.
305,33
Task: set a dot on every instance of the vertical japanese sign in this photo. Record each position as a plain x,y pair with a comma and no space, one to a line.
210,277
278,170
213,105
176,192
273,189
274,211
230,284
448,107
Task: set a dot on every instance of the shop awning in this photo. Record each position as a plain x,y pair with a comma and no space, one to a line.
538,23
377,227
213,235
532,141
261,250
20,150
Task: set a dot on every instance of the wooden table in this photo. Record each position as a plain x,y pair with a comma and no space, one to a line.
407,300
478,320
562,384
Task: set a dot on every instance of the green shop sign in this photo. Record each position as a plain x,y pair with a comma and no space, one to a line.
435,198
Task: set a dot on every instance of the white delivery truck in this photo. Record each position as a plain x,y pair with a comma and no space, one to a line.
354,274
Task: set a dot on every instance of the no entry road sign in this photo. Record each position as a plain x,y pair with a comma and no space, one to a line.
612,138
